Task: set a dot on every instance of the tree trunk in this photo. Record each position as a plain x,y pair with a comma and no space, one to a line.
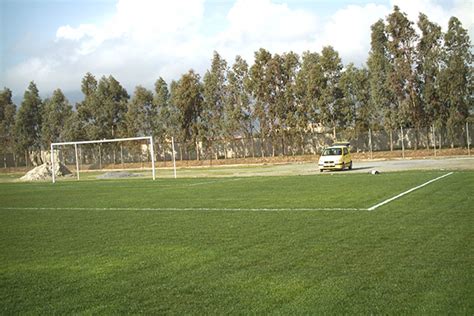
417,137
428,139
315,146
391,140
164,155
283,144
252,141
302,143
198,153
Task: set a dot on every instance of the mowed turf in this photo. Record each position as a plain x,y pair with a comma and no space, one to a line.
220,246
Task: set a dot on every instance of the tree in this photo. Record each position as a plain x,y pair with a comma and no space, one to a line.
103,108
382,101
309,83
138,118
456,76
57,117
429,63
187,97
355,109
162,123
112,98
258,83
402,77
28,124
7,120
330,105
275,92
211,125
428,66
286,104
238,111
86,109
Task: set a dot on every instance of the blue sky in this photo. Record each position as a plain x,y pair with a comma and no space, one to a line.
55,42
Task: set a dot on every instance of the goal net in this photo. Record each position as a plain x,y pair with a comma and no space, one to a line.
106,158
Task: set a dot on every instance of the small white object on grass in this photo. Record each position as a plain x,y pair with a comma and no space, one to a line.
375,172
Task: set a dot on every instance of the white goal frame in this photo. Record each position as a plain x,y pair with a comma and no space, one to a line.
149,138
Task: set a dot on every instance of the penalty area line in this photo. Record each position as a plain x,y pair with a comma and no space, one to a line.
408,191
196,209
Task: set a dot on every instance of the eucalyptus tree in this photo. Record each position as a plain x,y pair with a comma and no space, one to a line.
382,101
276,102
429,51
330,103
138,118
238,110
103,108
402,39
28,124
164,124
309,85
58,120
211,127
7,121
258,83
87,108
113,99
456,76
355,109
288,107
186,96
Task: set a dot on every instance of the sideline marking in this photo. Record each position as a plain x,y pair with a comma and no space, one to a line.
180,209
408,191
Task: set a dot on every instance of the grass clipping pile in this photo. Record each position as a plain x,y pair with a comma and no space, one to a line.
44,172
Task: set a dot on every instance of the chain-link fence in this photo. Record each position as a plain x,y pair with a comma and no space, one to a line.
313,143
136,155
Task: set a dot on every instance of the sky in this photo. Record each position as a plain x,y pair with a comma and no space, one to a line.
56,42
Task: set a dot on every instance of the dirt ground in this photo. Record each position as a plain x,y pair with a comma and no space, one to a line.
361,156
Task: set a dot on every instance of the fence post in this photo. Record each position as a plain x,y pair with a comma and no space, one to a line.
77,160
370,143
173,156
468,139
403,145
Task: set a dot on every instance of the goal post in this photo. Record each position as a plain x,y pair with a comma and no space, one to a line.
53,145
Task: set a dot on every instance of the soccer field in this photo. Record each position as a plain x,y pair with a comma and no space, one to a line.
394,243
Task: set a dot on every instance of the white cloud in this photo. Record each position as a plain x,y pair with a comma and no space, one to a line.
462,9
145,39
69,33
348,31
254,24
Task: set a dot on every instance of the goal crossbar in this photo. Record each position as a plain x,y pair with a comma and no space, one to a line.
149,138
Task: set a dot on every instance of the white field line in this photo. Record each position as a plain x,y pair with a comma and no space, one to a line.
406,192
197,209
211,182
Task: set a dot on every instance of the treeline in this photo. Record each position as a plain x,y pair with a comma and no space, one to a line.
413,79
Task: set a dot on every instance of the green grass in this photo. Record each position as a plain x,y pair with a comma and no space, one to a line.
411,256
